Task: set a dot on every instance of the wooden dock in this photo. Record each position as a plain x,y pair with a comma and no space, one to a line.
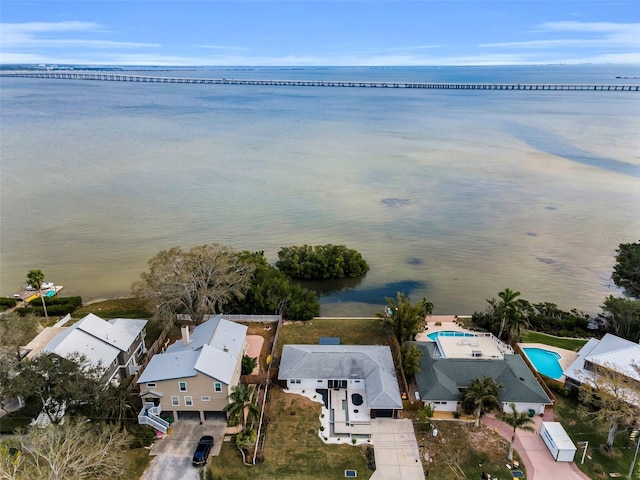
114,77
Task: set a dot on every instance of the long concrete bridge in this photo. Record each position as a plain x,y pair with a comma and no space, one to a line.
116,77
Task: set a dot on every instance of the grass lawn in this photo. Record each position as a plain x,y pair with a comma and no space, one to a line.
116,308
293,450
351,332
138,461
598,463
574,344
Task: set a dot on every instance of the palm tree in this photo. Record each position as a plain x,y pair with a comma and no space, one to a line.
482,393
518,320
35,278
510,305
240,403
517,420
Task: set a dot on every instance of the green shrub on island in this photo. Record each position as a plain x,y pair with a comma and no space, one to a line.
321,262
271,291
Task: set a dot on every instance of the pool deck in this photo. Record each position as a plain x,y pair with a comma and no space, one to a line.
447,323
567,357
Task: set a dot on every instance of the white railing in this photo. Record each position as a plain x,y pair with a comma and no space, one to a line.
149,416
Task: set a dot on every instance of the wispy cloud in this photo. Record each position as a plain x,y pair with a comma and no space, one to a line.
596,34
46,34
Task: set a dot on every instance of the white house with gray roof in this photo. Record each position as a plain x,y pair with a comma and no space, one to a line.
610,352
195,375
356,382
116,345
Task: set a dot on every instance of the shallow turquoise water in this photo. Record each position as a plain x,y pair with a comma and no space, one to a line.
545,362
447,333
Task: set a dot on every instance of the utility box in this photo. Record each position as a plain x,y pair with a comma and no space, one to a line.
558,442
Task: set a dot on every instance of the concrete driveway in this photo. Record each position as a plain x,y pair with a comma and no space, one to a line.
173,453
396,450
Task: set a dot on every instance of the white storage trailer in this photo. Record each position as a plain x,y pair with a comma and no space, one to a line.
558,442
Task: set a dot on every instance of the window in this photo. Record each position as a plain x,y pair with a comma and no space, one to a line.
217,387
205,399
295,381
175,401
182,386
151,385
319,381
188,401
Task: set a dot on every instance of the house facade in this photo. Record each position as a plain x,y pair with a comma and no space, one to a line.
612,353
356,382
117,345
195,375
442,379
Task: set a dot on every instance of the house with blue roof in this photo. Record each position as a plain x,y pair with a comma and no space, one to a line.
195,375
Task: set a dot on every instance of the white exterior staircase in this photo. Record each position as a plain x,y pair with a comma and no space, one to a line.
149,415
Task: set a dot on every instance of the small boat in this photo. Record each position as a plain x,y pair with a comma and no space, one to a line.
46,286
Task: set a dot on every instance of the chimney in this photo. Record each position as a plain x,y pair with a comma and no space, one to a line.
185,334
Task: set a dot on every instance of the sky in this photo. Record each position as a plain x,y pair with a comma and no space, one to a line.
312,33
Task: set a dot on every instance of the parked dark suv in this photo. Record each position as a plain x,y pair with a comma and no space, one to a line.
202,451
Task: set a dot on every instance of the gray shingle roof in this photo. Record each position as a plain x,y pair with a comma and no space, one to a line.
440,379
374,364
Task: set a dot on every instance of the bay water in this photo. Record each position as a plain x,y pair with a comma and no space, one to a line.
449,194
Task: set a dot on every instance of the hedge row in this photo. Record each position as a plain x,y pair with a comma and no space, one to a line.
8,302
55,306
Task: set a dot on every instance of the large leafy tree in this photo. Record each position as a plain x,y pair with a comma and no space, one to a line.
621,316
241,404
613,397
271,291
75,450
516,420
626,272
410,358
196,282
15,332
406,318
35,278
481,394
58,384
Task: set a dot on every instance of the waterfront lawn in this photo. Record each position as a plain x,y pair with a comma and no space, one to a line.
293,450
597,463
116,308
357,331
575,344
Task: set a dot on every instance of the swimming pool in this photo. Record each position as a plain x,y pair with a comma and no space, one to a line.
449,333
545,362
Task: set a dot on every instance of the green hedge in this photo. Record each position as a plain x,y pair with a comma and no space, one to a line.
8,302
55,306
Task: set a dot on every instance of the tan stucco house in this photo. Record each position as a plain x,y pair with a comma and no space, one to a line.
195,375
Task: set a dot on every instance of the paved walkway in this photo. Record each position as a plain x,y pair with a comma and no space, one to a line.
535,455
396,450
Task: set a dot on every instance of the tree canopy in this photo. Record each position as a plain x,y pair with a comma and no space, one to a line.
481,394
196,282
406,318
321,262
613,397
626,272
271,291
73,451
58,384
621,316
